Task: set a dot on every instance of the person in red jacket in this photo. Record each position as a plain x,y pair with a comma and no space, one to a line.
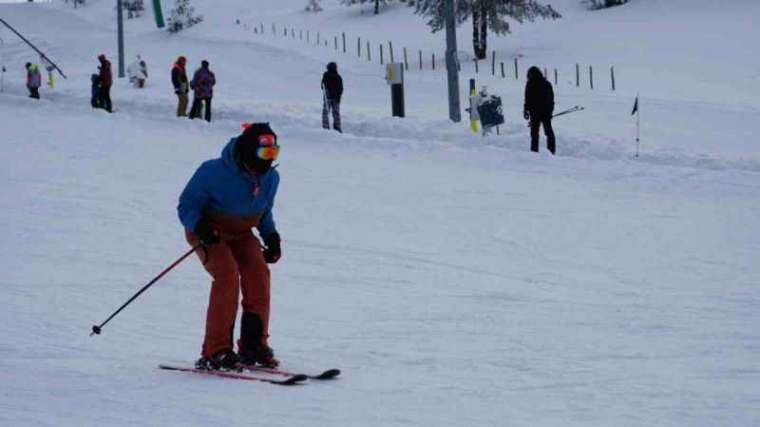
106,80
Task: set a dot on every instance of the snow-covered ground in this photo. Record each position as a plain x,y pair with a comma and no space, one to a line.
455,280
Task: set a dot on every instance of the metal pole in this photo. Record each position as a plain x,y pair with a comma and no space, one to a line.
455,113
638,124
32,46
120,36
2,64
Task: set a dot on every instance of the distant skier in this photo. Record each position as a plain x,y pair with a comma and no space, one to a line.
332,90
33,80
179,80
203,86
106,80
138,72
539,107
222,202
95,91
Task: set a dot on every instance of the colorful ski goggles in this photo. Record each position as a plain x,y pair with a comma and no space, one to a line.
268,148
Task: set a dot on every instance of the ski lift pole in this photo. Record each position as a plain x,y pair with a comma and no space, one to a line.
33,47
2,65
96,329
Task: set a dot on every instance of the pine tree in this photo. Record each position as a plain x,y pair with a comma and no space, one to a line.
182,16
485,14
601,4
134,8
313,6
376,2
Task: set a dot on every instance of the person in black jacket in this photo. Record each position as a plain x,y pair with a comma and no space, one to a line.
332,89
539,107
179,81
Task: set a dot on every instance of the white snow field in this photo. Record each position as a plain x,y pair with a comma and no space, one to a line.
455,280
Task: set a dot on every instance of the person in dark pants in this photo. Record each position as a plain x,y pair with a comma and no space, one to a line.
106,79
332,88
179,80
95,91
539,107
33,80
203,87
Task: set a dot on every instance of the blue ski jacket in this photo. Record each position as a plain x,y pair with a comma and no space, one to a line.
220,188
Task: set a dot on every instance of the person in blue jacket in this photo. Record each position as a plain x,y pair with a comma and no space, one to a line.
223,201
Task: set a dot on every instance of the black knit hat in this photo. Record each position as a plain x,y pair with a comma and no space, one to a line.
248,144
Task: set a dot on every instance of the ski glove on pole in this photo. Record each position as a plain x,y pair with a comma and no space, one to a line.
205,233
272,250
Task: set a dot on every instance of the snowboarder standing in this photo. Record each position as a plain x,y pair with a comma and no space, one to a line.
539,107
222,202
179,80
332,90
138,72
106,80
33,80
203,86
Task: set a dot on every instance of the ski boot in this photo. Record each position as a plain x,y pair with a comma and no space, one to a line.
253,350
225,360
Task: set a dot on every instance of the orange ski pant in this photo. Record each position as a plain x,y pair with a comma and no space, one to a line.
235,264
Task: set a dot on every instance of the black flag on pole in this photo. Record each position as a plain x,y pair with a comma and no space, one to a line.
635,106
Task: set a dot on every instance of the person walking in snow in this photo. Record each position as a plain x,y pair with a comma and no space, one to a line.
33,80
106,80
222,202
179,81
332,90
539,107
203,86
138,72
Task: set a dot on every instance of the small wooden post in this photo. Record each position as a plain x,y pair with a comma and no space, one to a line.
369,52
274,30
556,77
262,28
293,32
335,39
390,50
406,62
300,34
308,35
612,77
434,60
516,73
577,75
493,62
420,59
381,54
476,65
359,47
284,31
591,76
546,73
502,70
344,42
318,35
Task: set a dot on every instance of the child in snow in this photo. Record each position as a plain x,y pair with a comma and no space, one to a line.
222,202
95,91
138,72
33,80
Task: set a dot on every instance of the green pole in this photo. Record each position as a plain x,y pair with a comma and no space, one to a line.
158,14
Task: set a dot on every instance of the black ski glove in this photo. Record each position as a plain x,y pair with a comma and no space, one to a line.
272,250
205,233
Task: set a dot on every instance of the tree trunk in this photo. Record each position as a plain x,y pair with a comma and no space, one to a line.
483,33
377,7
479,28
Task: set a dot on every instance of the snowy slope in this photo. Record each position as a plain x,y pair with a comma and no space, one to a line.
456,280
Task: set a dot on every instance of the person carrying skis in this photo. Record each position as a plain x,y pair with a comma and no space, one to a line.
179,81
332,90
539,107
203,86
138,72
222,202
106,80
33,80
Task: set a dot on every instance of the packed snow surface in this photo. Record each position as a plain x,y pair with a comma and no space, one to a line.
455,280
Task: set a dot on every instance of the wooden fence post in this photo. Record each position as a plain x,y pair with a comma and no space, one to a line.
336,42
577,75
502,70
262,28
406,62
420,59
390,50
344,42
274,30
359,47
493,62
381,54
591,76
612,77
369,52
546,73
556,77
318,35
516,73
308,35
300,34
434,60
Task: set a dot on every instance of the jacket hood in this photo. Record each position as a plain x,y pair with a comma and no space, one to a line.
228,157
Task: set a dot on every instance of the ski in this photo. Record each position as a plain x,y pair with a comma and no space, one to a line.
290,380
326,375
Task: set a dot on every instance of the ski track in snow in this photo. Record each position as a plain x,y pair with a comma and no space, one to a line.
454,280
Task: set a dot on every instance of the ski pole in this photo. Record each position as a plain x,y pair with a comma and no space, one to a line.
569,110
96,329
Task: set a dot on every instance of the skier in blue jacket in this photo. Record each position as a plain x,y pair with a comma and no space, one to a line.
223,201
